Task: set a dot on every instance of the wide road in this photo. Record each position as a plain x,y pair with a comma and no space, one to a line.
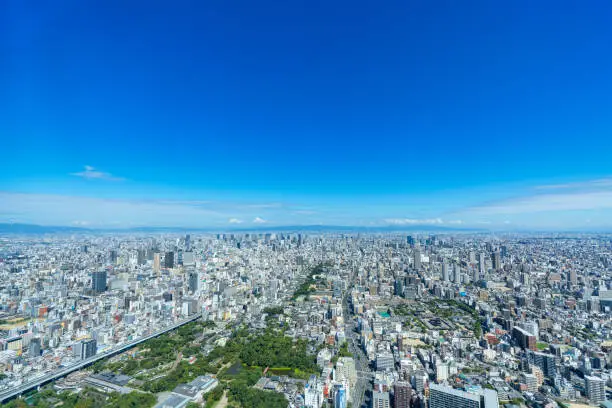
16,392
361,361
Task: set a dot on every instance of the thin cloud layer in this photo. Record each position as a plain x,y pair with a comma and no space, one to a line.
90,173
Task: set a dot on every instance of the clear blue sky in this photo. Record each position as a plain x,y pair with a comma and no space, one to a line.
352,113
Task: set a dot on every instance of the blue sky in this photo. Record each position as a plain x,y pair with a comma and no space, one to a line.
293,113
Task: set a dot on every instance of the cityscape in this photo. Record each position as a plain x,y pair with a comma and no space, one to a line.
290,204
306,320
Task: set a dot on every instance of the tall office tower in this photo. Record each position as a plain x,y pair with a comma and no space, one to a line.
417,259
180,257
445,276
441,396
481,264
475,275
156,262
402,394
187,243
141,259
496,260
572,277
86,349
193,282
410,240
169,260
457,274
98,281
340,399
595,389
380,400
112,256
188,259
472,256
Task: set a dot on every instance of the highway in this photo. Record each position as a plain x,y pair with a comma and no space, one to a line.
16,392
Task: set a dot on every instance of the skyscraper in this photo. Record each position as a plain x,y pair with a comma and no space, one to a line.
156,262
98,281
481,263
496,260
417,259
193,282
441,396
445,276
169,260
141,257
457,274
187,243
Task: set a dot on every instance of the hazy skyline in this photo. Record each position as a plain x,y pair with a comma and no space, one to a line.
218,115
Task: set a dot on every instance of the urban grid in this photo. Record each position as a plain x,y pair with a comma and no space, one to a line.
306,320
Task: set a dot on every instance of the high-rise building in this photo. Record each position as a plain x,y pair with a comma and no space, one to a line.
345,369
380,399
313,394
481,263
457,274
141,257
98,281
445,276
187,243
156,262
523,338
441,396
595,389
86,349
385,361
193,282
34,350
169,260
402,394
112,256
188,259
417,259
531,381
496,260
546,363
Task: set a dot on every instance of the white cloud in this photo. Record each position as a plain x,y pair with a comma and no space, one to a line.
49,209
596,200
588,184
91,173
412,221
258,220
455,222
304,212
235,221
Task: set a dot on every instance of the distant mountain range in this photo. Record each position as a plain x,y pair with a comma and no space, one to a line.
6,228
25,229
